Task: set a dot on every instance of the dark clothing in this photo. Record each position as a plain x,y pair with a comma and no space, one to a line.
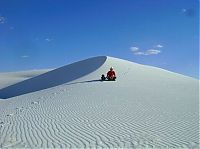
103,78
112,79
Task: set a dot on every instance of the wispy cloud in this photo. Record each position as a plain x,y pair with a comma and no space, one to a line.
137,51
152,52
133,49
2,20
190,12
48,39
148,52
24,56
184,10
159,46
43,39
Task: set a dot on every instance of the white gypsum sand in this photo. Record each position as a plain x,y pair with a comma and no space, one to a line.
145,107
10,78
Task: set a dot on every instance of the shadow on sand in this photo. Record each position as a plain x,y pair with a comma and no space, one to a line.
89,81
54,78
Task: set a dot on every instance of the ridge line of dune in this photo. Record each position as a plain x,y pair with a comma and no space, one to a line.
54,78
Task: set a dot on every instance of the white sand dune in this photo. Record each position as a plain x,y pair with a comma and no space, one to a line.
10,78
146,107
53,78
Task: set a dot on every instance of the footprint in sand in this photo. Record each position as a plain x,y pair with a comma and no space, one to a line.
13,143
21,109
35,102
40,97
1,124
11,114
194,145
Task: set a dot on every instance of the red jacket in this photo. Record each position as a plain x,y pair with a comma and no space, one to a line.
111,74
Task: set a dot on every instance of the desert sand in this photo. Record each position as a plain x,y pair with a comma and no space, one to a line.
69,107
10,78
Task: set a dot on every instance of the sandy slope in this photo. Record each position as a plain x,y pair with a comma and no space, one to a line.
145,107
10,78
53,78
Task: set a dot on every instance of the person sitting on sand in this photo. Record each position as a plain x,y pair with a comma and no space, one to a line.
111,75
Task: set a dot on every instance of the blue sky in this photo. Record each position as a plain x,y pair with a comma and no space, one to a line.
37,34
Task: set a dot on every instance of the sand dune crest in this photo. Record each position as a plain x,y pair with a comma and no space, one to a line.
53,78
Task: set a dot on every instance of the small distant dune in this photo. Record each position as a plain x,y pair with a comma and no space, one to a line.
10,78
